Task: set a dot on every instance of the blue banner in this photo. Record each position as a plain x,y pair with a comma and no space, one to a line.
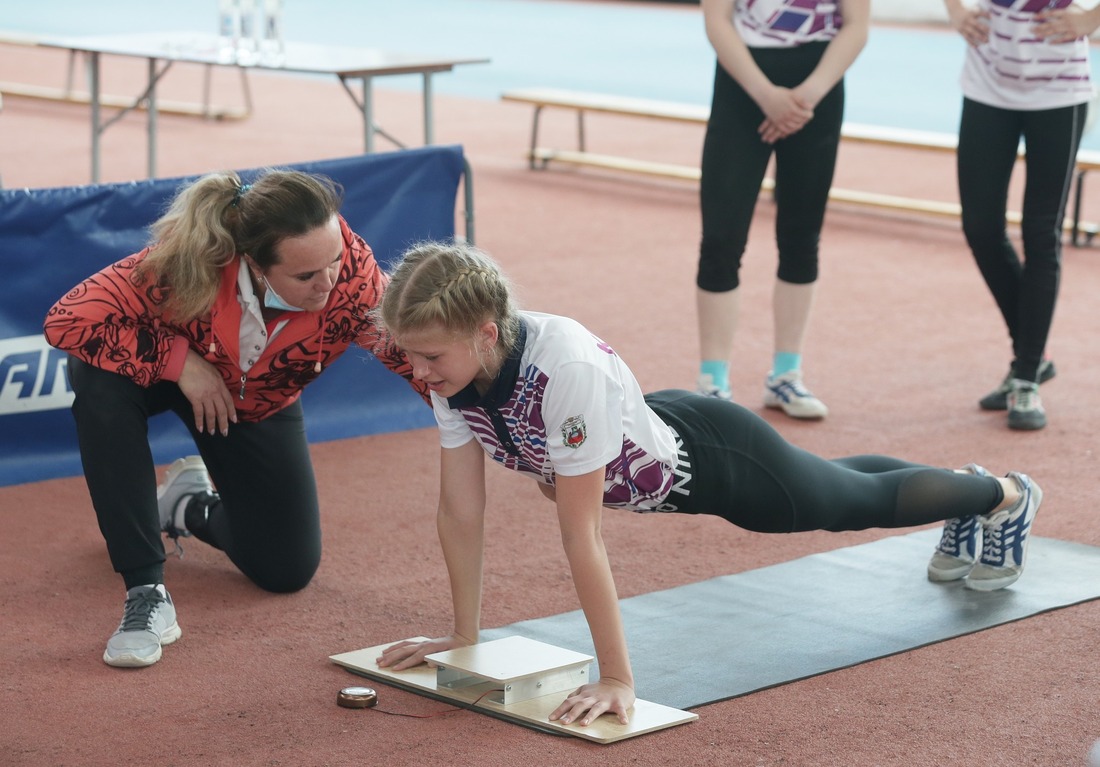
51,239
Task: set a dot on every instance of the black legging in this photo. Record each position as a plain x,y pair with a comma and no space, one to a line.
735,160
267,519
988,140
745,472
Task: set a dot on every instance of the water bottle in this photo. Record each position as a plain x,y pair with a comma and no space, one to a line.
272,49
247,43
228,30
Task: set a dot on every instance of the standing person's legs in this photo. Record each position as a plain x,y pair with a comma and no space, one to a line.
733,166
986,155
805,164
988,143
1051,139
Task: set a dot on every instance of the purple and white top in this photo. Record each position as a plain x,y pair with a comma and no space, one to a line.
1015,69
786,23
565,403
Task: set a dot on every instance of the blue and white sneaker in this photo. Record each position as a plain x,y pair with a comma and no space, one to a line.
960,543
786,392
1005,534
705,385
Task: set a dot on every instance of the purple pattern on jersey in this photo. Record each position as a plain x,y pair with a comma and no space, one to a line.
1033,6
794,18
1016,55
633,479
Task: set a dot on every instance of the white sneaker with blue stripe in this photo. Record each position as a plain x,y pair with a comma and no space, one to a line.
1005,534
786,392
960,543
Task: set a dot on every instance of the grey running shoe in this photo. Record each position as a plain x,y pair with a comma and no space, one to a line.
787,393
1025,408
148,622
998,398
959,545
184,479
705,385
1005,535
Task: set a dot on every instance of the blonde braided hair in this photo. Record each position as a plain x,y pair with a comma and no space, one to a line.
453,286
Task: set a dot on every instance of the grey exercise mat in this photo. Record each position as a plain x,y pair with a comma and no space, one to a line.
736,634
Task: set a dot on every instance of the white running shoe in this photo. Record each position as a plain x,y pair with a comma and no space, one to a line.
705,385
148,622
185,478
786,393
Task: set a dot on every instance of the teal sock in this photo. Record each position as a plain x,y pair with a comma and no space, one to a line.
718,371
785,362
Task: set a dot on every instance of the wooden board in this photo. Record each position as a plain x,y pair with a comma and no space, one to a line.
534,712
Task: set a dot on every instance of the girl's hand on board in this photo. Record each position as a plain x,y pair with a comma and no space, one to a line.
589,701
409,653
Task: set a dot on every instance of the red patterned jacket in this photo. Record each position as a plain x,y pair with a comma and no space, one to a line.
111,322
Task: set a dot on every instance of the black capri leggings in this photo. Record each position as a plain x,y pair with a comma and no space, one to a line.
267,518
735,160
745,472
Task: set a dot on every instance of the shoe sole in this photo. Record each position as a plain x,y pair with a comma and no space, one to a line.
795,414
1027,425
944,575
127,660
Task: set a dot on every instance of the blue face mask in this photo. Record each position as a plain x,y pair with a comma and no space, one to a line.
273,300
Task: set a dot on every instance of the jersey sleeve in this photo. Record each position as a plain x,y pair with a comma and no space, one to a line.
582,411
453,429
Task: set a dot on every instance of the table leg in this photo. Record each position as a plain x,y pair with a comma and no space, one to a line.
93,89
368,115
429,137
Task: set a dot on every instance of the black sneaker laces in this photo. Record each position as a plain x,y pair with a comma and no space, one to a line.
137,615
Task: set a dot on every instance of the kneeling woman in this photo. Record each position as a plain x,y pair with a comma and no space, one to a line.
543,396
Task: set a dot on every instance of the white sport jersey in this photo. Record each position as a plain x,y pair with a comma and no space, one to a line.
1016,69
565,403
786,23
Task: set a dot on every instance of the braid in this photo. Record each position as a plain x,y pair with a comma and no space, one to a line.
450,285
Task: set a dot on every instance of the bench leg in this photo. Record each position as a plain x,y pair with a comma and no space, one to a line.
535,138
580,130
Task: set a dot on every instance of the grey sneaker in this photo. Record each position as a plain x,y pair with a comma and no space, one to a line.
184,479
1025,408
1005,535
148,622
787,393
959,545
705,385
998,398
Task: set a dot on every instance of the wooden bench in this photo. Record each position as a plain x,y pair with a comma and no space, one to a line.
583,102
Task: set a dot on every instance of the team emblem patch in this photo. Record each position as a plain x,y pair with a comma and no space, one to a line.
574,432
